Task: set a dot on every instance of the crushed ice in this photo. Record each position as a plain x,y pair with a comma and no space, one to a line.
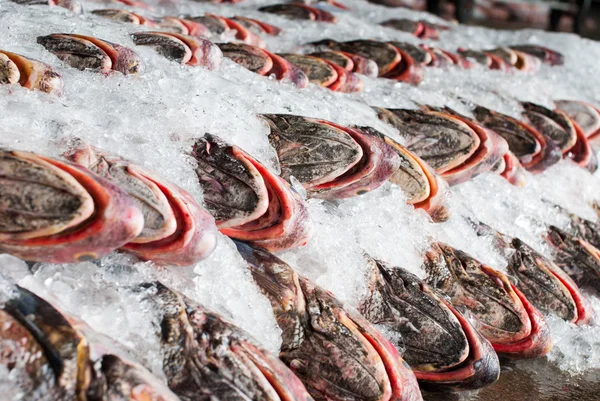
154,118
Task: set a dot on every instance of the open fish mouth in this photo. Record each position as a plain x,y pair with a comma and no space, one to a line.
442,348
29,73
502,313
68,363
206,357
544,283
176,229
55,211
535,151
336,353
577,257
90,53
247,200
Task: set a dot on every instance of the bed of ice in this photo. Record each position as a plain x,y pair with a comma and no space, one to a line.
153,119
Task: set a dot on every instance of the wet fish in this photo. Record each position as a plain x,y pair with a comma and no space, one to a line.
442,348
535,152
442,142
503,315
87,52
205,357
176,229
545,284
555,125
64,359
383,54
248,201
58,212
336,353
29,73
184,49
577,257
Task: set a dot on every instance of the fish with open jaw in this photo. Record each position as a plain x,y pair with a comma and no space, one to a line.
59,212
87,52
441,347
585,115
299,11
247,200
545,284
554,124
535,151
205,357
336,353
183,49
442,141
262,62
177,231
29,73
501,312
53,356
385,55
547,56
577,257
331,161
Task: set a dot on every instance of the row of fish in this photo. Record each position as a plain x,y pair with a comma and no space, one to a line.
331,352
